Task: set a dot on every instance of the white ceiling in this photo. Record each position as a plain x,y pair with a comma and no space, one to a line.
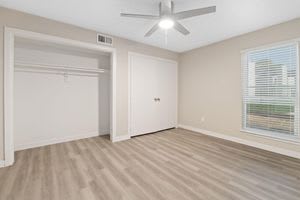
233,17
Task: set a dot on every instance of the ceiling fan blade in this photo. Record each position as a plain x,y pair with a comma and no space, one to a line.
180,28
152,30
151,17
194,13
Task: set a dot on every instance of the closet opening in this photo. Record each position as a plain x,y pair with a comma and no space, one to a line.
56,90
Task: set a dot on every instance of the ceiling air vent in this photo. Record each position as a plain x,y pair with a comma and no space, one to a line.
103,39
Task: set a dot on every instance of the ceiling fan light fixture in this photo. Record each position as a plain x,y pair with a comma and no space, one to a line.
168,19
166,23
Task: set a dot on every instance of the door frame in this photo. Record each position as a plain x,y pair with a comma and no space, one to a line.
9,41
130,54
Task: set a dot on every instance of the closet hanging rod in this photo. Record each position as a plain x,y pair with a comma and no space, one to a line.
57,73
59,67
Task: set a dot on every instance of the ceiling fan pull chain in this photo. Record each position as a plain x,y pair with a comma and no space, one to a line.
166,37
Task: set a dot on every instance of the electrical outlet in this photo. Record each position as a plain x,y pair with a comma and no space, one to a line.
202,119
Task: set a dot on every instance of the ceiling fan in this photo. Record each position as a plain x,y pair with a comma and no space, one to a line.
168,19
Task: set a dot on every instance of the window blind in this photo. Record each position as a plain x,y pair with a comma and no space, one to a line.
270,93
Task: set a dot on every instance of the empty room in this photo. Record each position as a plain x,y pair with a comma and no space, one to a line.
149,100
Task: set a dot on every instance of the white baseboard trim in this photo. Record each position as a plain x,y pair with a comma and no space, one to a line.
243,141
121,138
2,163
104,132
55,141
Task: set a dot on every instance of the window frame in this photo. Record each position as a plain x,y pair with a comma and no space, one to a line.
261,132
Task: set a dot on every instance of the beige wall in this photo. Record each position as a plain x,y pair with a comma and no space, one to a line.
29,22
210,83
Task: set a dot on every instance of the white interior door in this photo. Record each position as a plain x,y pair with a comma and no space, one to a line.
167,95
153,94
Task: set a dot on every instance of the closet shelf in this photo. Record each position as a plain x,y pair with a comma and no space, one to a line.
59,68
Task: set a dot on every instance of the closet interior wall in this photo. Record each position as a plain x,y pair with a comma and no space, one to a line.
60,93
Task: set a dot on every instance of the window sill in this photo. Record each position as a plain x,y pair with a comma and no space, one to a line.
273,136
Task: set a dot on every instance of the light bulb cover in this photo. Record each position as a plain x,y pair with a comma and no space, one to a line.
166,23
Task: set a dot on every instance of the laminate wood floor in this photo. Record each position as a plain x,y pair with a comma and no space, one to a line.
174,164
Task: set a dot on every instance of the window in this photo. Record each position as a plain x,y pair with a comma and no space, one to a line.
270,93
